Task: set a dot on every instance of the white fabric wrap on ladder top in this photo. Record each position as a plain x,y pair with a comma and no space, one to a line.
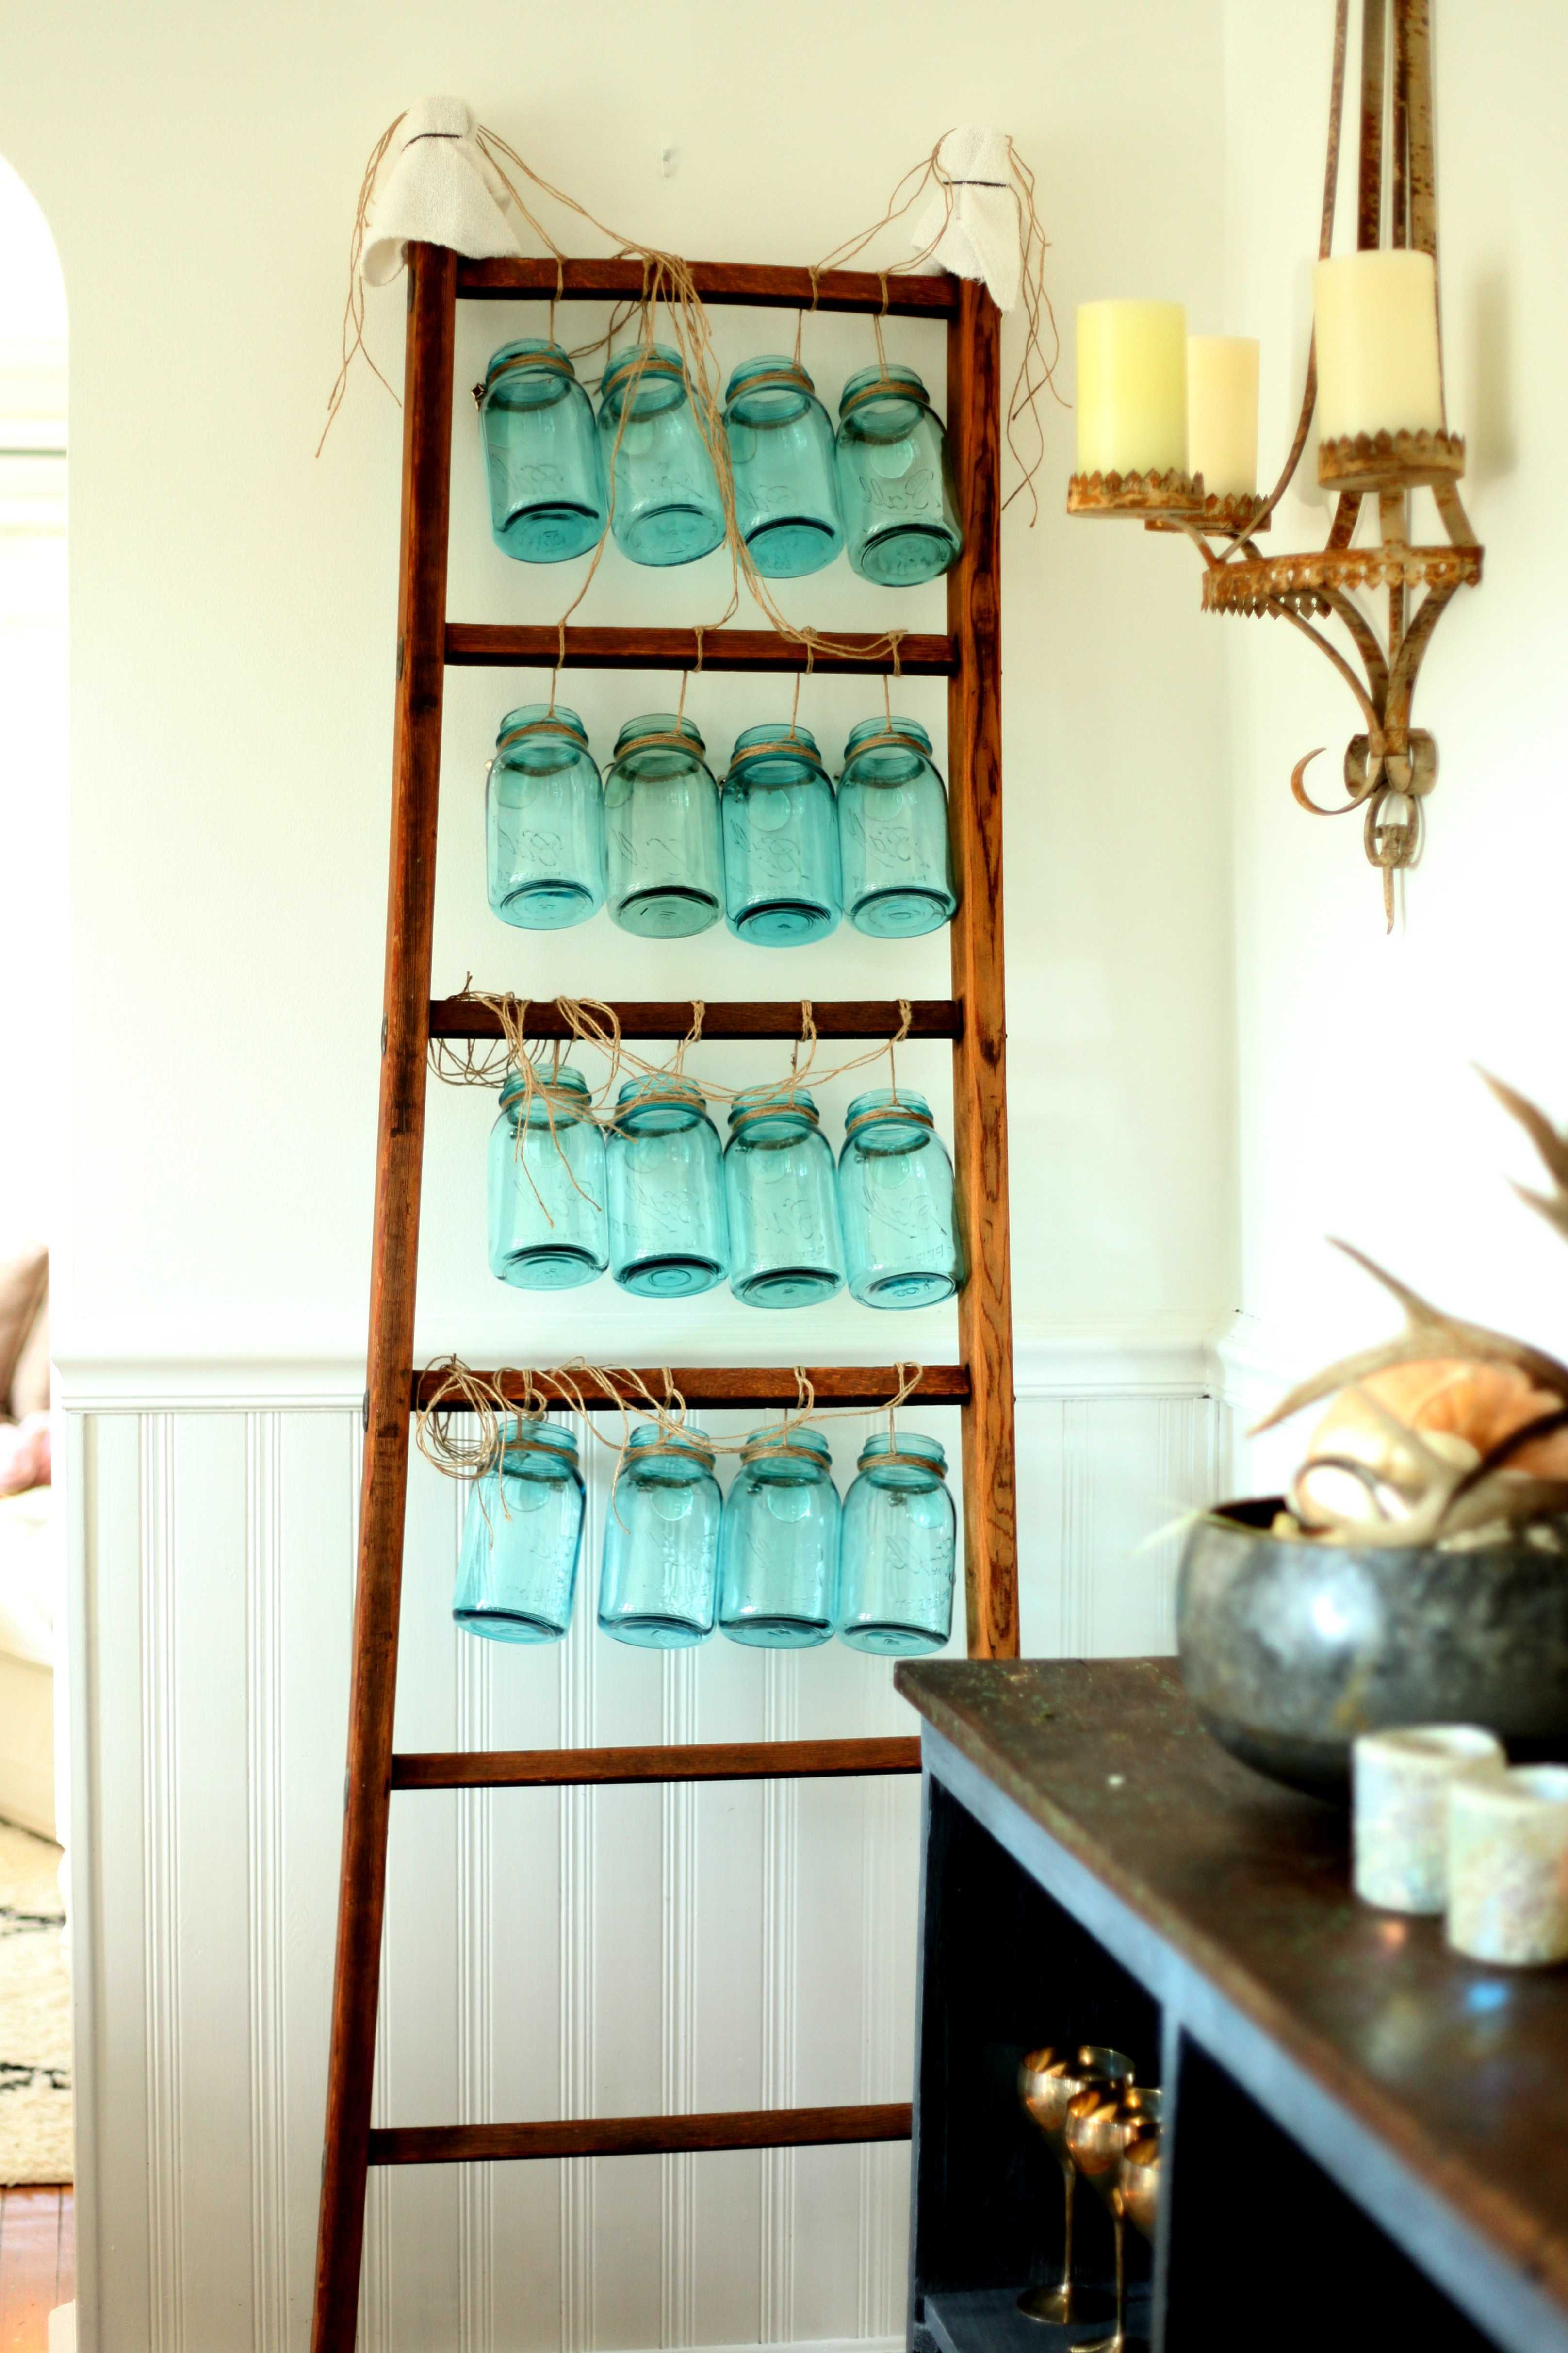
442,190
982,239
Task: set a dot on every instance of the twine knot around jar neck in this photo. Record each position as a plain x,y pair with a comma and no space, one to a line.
684,738
782,1449
553,363
783,747
788,374
629,368
561,1448
890,739
784,1106
890,1458
530,727
670,1445
904,1114
884,388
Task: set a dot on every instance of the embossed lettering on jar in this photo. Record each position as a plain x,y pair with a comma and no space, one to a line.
517,1571
544,821
546,1186
895,853
778,1548
541,455
660,1573
898,1548
665,506
785,1245
665,848
782,464
895,480
669,1232
895,1195
781,883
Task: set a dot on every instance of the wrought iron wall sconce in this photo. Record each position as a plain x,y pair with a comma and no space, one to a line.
1391,765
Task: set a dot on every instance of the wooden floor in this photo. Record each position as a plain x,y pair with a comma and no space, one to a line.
37,2265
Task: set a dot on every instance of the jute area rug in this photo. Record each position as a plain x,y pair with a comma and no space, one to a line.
35,2014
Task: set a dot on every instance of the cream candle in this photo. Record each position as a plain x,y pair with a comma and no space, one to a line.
1507,1867
1222,414
1400,1782
1376,321
1132,388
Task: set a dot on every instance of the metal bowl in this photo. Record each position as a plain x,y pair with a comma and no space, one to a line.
1291,1648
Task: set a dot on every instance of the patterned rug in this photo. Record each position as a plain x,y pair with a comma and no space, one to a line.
35,2014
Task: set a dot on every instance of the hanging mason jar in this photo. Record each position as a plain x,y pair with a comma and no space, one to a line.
517,1571
547,1226
544,821
666,854
669,1233
782,461
665,506
781,839
785,1247
892,832
895,1195
895,480
898,1549
661,1543
778,1547
541,455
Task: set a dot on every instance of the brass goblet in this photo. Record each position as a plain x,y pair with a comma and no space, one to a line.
1049,2082
1101,2123
1139,2181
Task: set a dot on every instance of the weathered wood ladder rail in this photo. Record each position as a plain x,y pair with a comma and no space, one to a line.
980,1386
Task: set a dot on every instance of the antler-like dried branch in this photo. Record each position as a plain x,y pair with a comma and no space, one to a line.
1429,1333
1552,1146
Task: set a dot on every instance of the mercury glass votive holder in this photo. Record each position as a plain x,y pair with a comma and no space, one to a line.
1401,1783
1508,1866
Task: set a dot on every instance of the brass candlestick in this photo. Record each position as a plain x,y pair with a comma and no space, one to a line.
1049,2082
1140,2182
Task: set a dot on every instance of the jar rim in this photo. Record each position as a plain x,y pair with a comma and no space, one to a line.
511,1086
765,1102
742,375
659,723
882,725
689,1441
535,1434
660,359
767,1442
520,353
910,1442
883,1103
902,381
528,716
659,1088
777,742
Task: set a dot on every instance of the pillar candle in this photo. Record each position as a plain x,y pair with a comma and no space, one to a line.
1401,1783
1507,1867
1132,387
1222,414
1376,321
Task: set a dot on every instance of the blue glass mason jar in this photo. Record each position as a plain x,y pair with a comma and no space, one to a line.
895,1195
898,1549
778,1547
781,460
781,839
892,832
785,1245
665,852
660,1571
665,506
895,480
517,1570
669,1237
544,821
546,1186
541,455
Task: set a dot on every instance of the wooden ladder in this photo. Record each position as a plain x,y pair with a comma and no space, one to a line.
980,1386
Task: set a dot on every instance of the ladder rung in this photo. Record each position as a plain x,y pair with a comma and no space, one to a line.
717,1385
638,2136
496,646
567,1769
927,296
859,1016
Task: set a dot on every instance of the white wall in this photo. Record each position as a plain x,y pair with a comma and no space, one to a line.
1360,1114
232,625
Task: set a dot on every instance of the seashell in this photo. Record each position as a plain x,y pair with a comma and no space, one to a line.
1457,1409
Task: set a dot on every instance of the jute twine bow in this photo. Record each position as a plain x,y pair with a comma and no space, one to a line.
593,1023
500,1422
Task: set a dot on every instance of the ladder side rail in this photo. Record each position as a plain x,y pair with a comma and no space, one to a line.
979,1054
415,776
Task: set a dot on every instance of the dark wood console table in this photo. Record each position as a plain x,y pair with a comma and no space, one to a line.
1368,2142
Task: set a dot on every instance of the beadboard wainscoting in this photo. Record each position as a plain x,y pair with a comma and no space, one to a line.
547,1953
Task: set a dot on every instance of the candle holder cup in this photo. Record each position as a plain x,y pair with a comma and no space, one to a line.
1049,2082
1102,2123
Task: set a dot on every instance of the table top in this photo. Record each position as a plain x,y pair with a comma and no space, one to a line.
1460,2070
